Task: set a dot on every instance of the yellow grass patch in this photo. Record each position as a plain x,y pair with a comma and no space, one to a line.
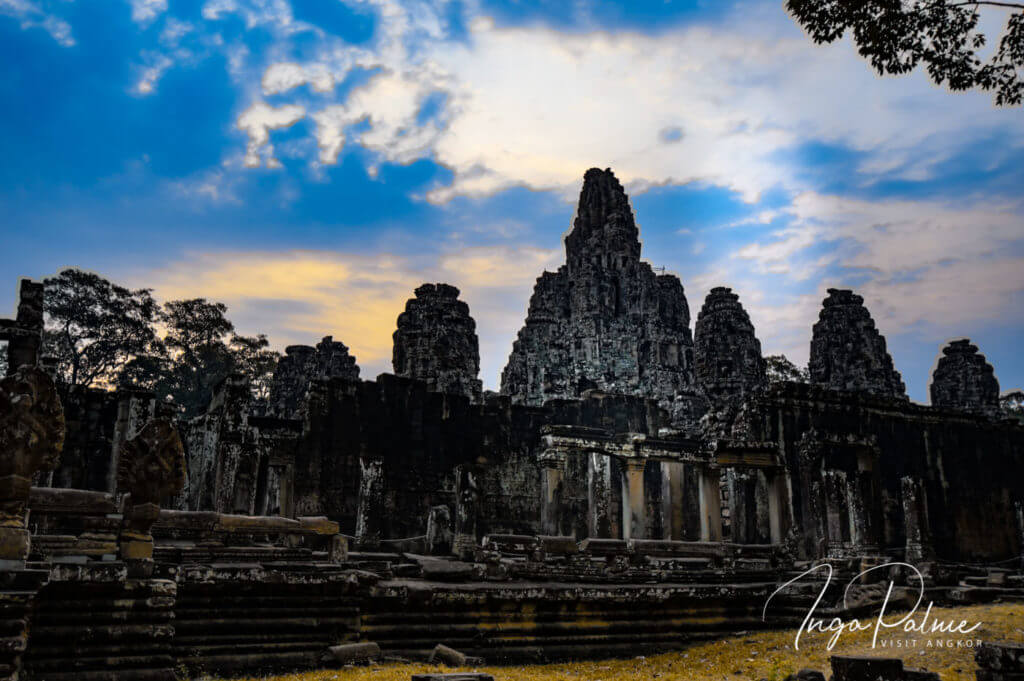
769,655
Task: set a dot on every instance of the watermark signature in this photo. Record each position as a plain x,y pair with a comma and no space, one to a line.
909,623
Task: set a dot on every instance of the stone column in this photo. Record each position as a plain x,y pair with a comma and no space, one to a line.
31,438
634,501
915,520
672,498
371,508
777,503
600,520
24,337
710,504
837,512
151,468
439,531
552,484
467,514
1018,507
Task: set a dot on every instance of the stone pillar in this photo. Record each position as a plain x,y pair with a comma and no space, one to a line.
371,508
862,502
601,516
837,516
634,501
552,483
439,531
915,520
737,484
467,514
710,504
24,336
672,499
151,468
1018,506
31,438
777,503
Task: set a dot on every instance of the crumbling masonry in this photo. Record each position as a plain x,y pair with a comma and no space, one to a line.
630,475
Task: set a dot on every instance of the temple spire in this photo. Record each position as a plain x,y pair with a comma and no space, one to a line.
604,224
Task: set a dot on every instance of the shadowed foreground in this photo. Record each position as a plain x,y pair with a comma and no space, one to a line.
767,655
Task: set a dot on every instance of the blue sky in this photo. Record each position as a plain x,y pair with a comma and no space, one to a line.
310,162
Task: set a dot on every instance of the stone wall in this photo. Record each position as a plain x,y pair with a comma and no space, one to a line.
849,454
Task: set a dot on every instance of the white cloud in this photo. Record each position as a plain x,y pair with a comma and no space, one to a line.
288,75
530,106
151,73
257,121
933,268
145,11
32,15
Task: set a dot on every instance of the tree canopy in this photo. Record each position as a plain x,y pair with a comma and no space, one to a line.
778,369
1012,404
104,334
95,327
896,36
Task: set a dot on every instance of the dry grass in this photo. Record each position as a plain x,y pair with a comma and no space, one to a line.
769,655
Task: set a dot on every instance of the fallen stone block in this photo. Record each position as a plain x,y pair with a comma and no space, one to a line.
457,676
449,656
1000,657
515,544
807,675
605,547
851,668
558,545
353,653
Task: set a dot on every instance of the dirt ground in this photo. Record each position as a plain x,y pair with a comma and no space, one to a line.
761,655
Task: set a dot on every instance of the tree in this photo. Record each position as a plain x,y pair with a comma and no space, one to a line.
1012,404
898,35
197,332
201,349
95,327
252,358
779,369
3,359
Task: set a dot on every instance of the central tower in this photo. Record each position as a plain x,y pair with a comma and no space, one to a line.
604,319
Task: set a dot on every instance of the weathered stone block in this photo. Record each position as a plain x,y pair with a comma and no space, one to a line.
442,654
851,668
353,653
999,656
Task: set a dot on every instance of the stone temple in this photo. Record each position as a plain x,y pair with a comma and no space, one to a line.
636,486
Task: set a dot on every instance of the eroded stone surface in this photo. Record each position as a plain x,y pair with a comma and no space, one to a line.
604,319
303,364
848,352
963,379
727,353
436,342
